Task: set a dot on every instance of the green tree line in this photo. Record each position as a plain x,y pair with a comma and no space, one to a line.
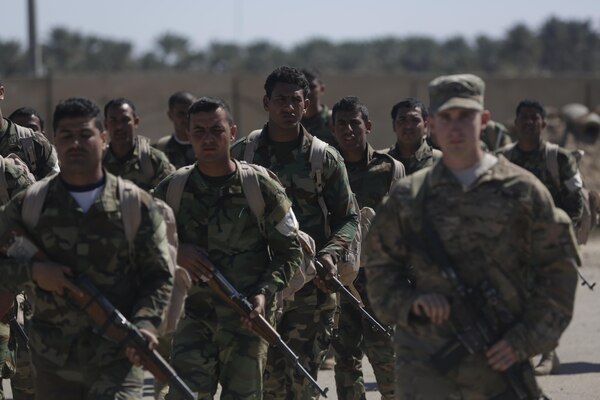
556,47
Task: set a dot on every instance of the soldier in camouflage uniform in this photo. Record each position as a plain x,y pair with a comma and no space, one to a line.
35,150
495,136
211,344
29,118
80,229
284,147
371,175
498,225
317,118
130,155
16,178
177,146
530,152
409,120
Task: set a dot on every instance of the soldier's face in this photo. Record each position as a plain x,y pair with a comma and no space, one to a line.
79,144
316,90
351,131
121,123
529,123
30,121
178,116
409,126
457,130
211,135
286,106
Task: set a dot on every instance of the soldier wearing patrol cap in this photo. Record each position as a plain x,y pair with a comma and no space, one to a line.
497,228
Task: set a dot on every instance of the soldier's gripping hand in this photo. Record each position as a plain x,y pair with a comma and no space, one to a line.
195,260
321,281
501,356
132,353
54,277
433,306
259,304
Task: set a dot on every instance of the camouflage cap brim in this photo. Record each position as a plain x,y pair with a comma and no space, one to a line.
456,102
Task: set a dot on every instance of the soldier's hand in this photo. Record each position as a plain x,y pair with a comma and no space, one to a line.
195,260
321,280
433,306
501,356
133,355
54,278
259,303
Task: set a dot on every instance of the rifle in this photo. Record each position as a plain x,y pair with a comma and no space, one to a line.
16,329
474,334
335,285
221,286
112,324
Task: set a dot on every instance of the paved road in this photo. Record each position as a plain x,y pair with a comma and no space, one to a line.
579,350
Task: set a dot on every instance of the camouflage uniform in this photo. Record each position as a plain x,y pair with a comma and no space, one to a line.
568,196
72,360
46,162
503,229
307,320
179,154
319,125
17,178
370,180
130,166
425,156
495,135
210,344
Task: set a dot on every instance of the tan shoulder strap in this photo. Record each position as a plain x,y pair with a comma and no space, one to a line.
176,186
398,170
145,158
551,151
251,188
33,202
318,150
251,145
25,136
131,208
3,184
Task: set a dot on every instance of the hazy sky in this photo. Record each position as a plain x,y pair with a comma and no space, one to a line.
286,22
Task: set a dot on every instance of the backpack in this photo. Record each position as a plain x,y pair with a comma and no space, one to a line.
145,158
25,136
349,263
130,197
591,198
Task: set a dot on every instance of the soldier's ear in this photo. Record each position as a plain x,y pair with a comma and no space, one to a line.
368,125
306,105
266,102
485,117
233,132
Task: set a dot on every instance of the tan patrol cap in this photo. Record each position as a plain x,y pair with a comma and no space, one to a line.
463,91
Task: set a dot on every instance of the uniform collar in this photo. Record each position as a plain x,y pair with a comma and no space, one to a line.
441,175
304,138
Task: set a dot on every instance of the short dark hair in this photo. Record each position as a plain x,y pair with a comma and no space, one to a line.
74,107
118,102
177,98
311,74
528,103
209,104
411,104
286,74
26,112
350,103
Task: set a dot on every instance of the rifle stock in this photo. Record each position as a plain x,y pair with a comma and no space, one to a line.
336,285
221,286
111,323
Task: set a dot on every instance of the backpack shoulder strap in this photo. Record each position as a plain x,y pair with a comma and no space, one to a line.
551,151
251,188
3,184
145,158
33,202
507,150
251,145
131,209
176,186
318,150
161,144
26,136
398,170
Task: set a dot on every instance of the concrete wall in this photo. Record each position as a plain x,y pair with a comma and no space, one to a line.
150,91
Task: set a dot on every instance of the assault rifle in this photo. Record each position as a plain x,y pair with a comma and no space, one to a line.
474,333
221,286
112,324
335,285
